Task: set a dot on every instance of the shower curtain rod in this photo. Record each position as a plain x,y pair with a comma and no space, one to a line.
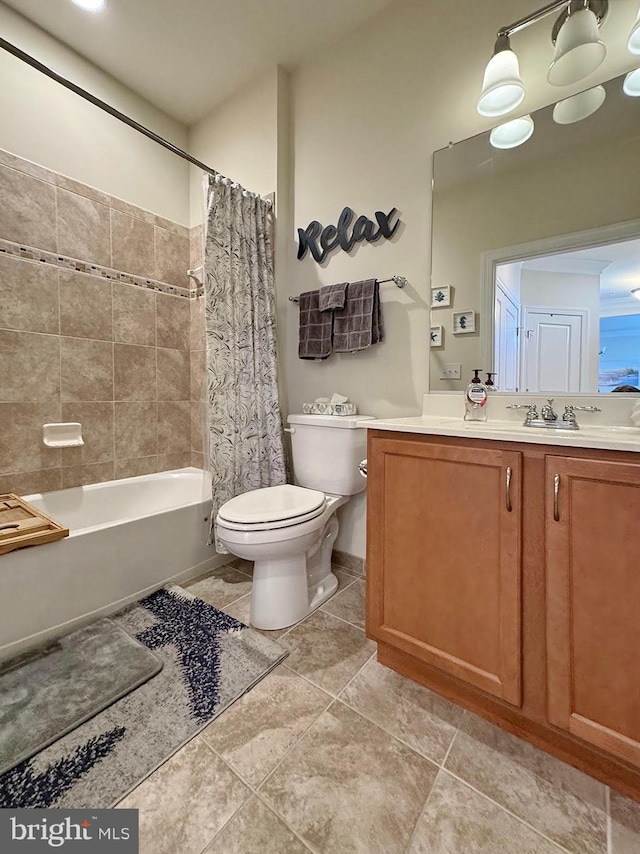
39,66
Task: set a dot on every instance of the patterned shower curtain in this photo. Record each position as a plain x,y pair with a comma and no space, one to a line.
246,448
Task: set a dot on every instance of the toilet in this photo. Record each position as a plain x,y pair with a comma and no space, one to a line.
289,531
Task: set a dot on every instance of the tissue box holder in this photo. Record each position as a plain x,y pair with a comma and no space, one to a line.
329,409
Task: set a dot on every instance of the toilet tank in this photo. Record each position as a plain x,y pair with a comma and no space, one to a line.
326,452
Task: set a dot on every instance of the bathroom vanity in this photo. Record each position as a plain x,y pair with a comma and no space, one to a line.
503,572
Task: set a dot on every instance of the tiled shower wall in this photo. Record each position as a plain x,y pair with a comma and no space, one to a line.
95,326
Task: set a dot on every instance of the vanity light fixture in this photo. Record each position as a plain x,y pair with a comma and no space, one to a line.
631,85
513,133
91,5
634,37
636,293
579,50
579,106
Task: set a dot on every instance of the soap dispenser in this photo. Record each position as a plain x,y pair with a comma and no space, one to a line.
475,399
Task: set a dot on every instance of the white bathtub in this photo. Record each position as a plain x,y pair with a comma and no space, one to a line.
127,538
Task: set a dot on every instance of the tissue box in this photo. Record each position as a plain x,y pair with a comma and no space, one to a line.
329,409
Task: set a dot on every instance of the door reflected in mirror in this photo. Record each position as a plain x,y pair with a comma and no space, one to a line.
569,322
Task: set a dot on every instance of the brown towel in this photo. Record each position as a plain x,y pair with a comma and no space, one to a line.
333,296
359,325
315,328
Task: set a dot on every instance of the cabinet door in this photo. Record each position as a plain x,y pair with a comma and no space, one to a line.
593,602
444,566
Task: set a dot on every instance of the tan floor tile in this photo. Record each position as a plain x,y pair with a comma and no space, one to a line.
552,797
347,786
326,650
415,715
348,604
344,578
186,801
258,730
241,610
221,587
625,825
256,829
457,819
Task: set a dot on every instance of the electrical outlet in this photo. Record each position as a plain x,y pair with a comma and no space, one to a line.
450,372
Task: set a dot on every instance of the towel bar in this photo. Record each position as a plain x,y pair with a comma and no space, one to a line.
399,281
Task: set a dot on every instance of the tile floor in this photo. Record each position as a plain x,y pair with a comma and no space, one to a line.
333,753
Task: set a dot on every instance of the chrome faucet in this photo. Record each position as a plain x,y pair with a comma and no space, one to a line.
547,413
548,418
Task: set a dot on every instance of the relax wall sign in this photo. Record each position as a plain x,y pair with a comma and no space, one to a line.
320,241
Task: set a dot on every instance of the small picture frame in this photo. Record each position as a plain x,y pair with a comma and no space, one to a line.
436,336
464,321
441,297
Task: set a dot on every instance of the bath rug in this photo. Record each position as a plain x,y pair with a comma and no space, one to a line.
209,660
46,695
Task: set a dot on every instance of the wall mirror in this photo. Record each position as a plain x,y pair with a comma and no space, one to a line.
537,250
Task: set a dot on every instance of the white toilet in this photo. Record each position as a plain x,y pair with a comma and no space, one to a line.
289,531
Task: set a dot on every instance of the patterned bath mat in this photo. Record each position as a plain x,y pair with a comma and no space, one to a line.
209,660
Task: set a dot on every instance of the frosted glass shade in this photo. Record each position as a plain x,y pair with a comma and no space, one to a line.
579,49
579,106
631,85
634,38
91,5
512,134
502,87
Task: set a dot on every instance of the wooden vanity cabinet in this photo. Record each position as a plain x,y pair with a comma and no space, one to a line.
593,602
448,525
506,577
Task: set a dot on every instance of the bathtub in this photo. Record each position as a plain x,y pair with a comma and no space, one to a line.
127,538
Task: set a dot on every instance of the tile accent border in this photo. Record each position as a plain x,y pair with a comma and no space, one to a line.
29,253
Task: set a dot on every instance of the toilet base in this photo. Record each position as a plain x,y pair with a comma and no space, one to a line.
286,590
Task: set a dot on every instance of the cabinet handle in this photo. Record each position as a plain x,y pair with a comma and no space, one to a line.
508,485
556,493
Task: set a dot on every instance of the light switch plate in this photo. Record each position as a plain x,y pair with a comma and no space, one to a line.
450,372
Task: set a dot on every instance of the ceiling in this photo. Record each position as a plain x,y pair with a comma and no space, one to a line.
617,264
186,57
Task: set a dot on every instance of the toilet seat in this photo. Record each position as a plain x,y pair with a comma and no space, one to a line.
271,508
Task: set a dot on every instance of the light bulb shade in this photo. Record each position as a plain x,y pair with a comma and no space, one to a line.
579,106
512,134
90,5
634,38
502,87
579,49
636,293
631,85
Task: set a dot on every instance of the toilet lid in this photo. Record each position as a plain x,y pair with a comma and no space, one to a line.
272,504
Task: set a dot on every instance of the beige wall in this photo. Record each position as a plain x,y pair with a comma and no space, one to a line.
239,139
49,125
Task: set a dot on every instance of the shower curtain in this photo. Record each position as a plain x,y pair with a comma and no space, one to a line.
246,447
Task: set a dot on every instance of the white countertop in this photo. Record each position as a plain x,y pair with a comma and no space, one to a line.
613,438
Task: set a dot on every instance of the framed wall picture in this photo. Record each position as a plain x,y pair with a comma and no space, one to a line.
436,336
464,321
441,297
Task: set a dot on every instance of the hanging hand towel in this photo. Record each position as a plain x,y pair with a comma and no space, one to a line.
359,325
315,328
333,296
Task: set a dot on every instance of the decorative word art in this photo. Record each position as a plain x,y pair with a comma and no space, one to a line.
320,241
